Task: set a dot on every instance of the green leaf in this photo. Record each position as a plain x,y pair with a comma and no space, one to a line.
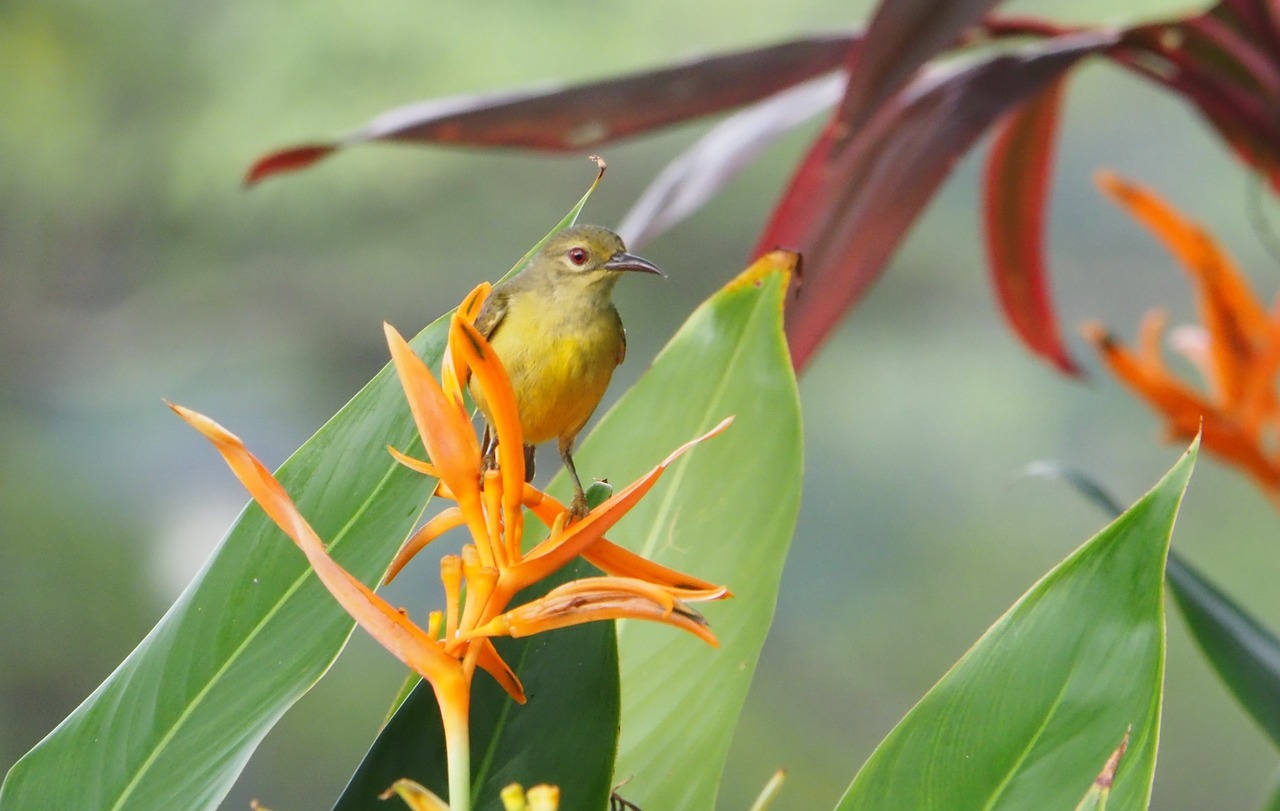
1245,654
175,723
1028,717
566,734
725,513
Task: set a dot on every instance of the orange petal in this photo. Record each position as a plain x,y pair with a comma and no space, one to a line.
1151,342
492,663
559,549
481,580
425,468
1179,404
597,598
415,795
453,369
1259,403
451,577
437,526
1233,315
409,643
493,515
469,309
446,430
619,562
1237,446
500,403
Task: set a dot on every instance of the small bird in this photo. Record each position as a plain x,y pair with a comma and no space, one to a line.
559,337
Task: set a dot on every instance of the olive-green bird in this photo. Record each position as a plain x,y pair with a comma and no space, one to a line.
559,337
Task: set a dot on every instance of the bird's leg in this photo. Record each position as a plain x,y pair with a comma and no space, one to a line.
578,508
528,463
488,450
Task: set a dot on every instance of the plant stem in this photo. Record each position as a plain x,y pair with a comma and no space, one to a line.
455,711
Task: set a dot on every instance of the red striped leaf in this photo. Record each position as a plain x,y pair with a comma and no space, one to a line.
849,211
1015,203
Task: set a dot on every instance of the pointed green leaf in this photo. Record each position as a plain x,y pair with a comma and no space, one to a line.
1029,716
566,734
1244,653
175,723
725,513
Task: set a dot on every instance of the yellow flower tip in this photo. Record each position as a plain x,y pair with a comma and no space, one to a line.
257,806
1097,334
1108,181
415,795
544,798
425,468
470,307
392,335
513,798
211,429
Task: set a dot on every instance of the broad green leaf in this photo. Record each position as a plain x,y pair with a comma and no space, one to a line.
725,513
1029,716
175,723
566,734
1245,654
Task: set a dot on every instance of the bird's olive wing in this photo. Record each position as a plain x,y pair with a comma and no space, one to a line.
491,314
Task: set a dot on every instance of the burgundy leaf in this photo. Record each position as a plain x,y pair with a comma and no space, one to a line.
695,176
581,116
1226,65
903,35
1015,205
848,213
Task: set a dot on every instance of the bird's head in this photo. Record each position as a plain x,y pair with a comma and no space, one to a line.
590,256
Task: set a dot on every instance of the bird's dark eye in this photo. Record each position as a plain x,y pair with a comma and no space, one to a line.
578,256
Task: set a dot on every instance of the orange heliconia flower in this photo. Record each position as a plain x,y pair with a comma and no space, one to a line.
481,582
1236,349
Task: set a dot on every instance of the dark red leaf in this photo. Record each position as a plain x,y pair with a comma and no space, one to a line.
1224,67
903,35
697,174
848,213
581,116
1015,204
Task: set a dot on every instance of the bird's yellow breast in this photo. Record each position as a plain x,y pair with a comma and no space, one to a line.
560,358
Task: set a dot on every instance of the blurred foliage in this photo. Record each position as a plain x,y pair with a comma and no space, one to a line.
132,267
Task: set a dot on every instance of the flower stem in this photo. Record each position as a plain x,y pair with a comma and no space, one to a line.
455,710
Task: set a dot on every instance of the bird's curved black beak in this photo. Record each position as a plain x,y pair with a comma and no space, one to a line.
628,261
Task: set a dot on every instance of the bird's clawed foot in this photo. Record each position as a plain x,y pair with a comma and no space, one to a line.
578,508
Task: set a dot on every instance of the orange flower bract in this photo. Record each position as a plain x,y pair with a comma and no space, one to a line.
1236,349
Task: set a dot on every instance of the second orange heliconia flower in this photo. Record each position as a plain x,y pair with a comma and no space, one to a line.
1236,348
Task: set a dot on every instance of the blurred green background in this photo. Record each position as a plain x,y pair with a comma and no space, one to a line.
133,267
